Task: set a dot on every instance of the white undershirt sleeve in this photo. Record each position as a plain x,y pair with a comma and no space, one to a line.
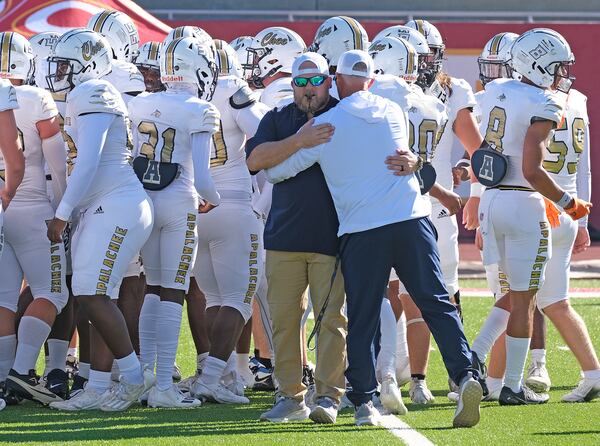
92,130
203,181
55,154
584,175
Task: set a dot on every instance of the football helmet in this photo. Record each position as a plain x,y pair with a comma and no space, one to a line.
16,57
273,50
435,42
396,57
191,31
42,45
336,35
120,31
544,57
494,61
78,56
148,62
227,60
185,60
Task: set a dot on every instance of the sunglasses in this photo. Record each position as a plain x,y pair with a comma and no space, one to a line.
315,81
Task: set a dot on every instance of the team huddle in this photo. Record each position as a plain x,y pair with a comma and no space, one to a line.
137,197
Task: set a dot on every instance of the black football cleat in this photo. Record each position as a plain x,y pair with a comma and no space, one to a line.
29,387
526,396
57,382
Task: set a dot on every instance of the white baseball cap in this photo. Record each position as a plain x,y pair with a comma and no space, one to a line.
356,63
316,64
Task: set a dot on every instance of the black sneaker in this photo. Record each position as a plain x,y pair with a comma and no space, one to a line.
308,375
263,376
9,397
57,382
79,383
29,387
525,396
481,368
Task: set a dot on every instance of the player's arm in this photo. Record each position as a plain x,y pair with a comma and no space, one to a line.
447,198
13,156
248,118
466,129
55,154
584,191
271,153
203,181
292,166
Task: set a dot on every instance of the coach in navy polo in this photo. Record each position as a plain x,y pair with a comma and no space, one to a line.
301,243
383,224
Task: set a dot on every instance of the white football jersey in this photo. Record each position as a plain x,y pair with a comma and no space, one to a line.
568,142
126,78
36,105
462,97
507,110
163,124
114,169
228,156
278,93
8,96
426,114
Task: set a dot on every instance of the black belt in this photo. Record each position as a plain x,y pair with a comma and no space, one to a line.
508,187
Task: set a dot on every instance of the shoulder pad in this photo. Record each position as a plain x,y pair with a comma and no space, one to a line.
242,98
96,96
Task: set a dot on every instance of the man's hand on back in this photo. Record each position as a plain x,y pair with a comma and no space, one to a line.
403,162
311,135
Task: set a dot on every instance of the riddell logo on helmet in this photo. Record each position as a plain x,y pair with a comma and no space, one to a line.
89,49
272,39
171,78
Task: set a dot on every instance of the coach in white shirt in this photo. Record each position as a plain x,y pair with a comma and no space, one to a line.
383,224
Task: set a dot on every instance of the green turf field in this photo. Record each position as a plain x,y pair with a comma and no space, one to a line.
553,424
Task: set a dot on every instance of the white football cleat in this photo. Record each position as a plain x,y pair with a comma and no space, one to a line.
419,392
171,398
367,415
186,384
538,379
467,410
587,390
87,399
124,394
2,404
217,393
391,397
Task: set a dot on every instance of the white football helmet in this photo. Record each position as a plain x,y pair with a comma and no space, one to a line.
42,45
435,42
227,60
16,57
239,44
396,57
494,61
78,56
273,50
336,35
185,60
120,31
191,31
544,57
148,62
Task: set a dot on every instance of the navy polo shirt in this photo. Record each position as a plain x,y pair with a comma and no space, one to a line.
302,216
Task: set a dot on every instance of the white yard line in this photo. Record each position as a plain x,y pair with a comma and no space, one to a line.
404,432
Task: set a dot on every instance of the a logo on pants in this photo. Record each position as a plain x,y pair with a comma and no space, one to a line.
252,269
188,250
109,259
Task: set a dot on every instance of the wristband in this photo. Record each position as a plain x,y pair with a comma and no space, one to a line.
464,163
564,200
477,189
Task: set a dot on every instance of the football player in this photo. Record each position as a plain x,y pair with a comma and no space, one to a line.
517,119
172,164
115,214
269,64
239,45
28,253
147,62
228,263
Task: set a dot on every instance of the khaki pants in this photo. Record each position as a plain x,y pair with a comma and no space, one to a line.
288,275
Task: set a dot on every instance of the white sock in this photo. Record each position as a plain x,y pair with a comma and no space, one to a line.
98,381
32,334
84,370
8,346
492,328
130,368
243,363
386,359
212,370
57,355
147,328
538,355
494,383
72,352
516,355
591,374
401,344
168,325
200,359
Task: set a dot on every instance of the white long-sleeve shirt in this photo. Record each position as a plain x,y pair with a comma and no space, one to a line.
365,192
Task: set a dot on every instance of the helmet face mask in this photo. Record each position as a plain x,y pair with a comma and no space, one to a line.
61,72
253,66
562,77
490,71
151,76
207,80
